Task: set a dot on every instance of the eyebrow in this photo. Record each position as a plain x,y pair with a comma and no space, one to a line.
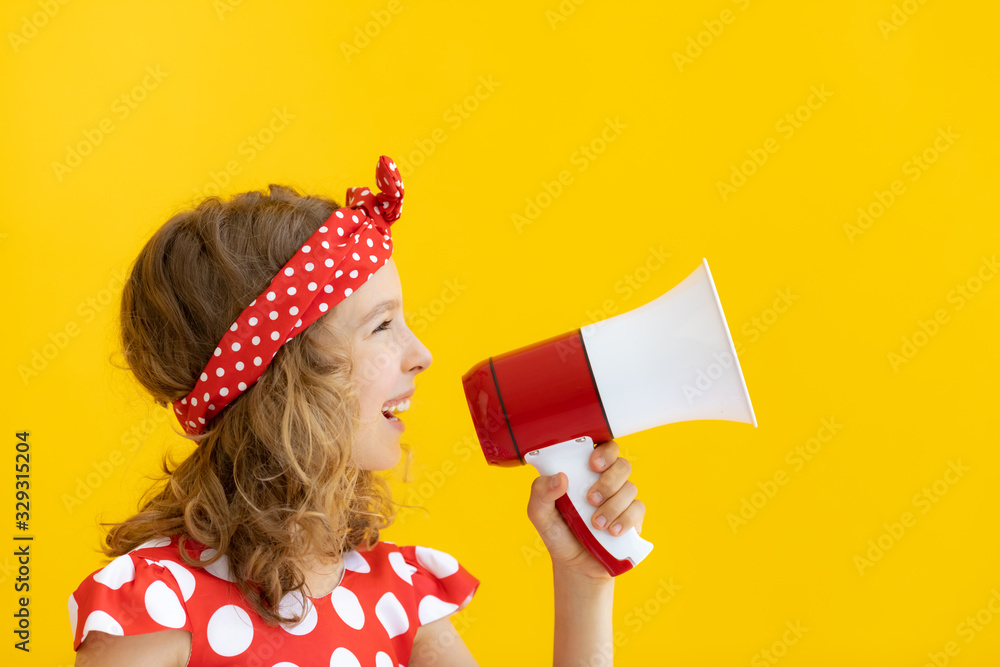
380,308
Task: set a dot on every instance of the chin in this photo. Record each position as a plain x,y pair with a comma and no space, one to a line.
384,461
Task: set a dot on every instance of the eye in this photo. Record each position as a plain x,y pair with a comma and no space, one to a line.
383,327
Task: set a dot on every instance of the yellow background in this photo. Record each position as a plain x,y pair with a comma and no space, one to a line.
894,75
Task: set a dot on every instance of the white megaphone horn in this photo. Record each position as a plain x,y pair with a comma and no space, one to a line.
546,404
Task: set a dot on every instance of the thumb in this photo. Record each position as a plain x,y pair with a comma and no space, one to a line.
542,501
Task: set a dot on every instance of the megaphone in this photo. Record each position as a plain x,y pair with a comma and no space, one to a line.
546,404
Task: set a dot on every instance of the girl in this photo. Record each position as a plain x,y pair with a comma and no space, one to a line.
263,546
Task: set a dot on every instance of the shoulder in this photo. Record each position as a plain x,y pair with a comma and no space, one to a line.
141,595
431,581
439,563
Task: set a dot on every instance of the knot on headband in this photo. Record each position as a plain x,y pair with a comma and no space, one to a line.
385,207
340,256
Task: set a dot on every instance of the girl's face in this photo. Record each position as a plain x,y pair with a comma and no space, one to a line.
387,359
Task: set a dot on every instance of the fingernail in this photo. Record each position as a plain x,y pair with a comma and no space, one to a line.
597,497
601,521
617,528
555,482
600,463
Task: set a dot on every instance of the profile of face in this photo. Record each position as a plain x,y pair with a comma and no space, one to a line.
387,359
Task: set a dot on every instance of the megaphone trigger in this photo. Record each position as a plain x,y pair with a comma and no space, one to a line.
617,553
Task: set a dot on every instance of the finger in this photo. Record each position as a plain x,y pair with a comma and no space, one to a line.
608,513
603,456
630,518
543,494
610,481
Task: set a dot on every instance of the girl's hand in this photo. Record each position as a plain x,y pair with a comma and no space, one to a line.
617,507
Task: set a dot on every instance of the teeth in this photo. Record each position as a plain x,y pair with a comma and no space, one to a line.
402,406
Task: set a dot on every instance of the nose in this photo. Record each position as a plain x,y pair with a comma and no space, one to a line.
419,357
422,357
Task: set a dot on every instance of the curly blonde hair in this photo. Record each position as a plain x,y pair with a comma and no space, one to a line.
270,482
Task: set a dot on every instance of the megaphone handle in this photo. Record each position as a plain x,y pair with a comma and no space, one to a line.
617,553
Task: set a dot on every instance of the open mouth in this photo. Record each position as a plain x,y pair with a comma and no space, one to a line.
390,411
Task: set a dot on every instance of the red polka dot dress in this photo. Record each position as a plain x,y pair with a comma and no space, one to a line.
369,619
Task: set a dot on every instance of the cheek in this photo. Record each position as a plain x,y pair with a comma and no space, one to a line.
374,377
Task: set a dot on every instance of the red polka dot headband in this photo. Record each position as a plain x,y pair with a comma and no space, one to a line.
337,259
